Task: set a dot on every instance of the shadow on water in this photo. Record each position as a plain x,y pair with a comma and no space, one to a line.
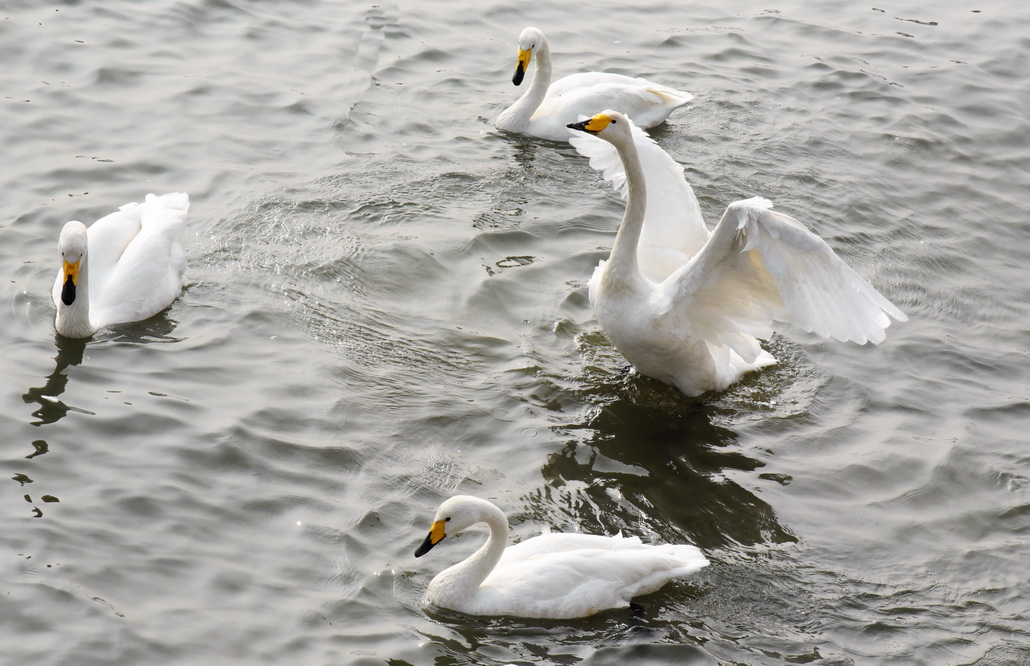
672,468
69,353
614,638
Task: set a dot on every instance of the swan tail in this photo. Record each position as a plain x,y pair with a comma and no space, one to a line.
675,98
164,210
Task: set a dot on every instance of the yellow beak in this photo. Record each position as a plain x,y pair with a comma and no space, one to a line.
522,66
592,126
71,270
436,535
71,279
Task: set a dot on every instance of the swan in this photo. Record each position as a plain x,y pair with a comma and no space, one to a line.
548,576
127,266
546,108
686,305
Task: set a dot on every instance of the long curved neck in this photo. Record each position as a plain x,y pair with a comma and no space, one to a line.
461,581
622,267
73,320
516,117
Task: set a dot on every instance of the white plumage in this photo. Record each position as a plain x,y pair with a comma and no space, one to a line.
547,576
687,305
127,266
546,108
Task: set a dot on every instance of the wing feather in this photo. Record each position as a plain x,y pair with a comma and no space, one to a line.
149,273
761,269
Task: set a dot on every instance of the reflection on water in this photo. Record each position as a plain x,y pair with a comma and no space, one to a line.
672,468
51,409
70,353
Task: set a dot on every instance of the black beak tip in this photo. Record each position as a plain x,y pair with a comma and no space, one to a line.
519,75
581,126
426,546
68,292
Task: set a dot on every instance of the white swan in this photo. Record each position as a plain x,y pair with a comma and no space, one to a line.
546,108
685,305
127,266
547,576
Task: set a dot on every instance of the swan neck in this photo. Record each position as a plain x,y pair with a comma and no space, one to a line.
482,562
456,587
516,118
623,260
542,75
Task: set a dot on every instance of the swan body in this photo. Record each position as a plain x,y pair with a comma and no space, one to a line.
686,305
548,576
127,266
546,108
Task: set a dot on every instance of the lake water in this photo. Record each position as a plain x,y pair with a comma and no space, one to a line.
386,305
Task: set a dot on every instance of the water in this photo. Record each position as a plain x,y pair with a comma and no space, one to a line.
386,305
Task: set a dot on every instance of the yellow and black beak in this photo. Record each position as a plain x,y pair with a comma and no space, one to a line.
436,535
71,278
593,125
522,66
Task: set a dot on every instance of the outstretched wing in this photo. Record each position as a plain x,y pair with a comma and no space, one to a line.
760,269
673,229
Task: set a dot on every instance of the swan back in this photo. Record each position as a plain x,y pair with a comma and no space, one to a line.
574,575
108,238
149,274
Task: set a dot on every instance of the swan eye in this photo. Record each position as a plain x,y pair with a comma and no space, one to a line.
447,519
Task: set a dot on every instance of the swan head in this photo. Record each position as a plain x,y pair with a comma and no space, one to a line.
72,245
609,125
454,515
529,40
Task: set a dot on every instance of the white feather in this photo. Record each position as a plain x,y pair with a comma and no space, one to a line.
131,265
553,575
546,108
696,324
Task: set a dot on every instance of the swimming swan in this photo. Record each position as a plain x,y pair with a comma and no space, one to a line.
547,576
127,266
686,305
546,108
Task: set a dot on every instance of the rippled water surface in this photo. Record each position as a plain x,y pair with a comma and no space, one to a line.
387,305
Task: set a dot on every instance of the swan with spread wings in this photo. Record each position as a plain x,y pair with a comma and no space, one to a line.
688,306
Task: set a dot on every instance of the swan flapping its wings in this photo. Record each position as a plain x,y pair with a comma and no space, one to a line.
127,266
687,305
546,108
553,575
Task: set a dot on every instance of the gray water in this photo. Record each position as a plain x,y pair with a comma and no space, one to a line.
386,305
